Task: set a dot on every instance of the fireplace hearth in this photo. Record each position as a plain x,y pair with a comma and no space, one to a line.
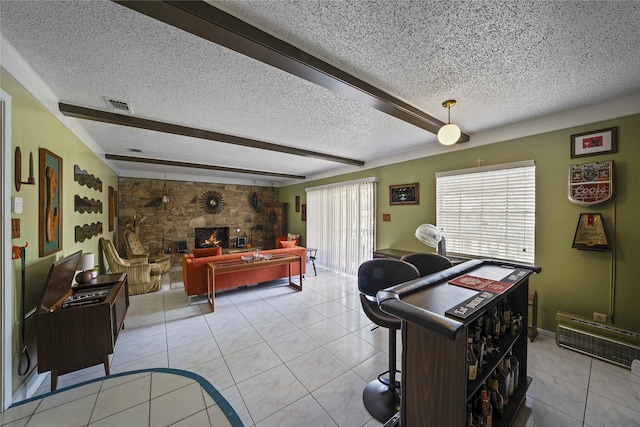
209,237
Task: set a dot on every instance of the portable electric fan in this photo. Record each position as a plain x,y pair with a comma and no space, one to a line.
431,236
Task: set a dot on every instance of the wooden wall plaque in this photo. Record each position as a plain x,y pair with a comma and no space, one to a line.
87,231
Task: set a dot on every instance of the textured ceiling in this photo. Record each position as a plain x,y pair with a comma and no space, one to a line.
505,62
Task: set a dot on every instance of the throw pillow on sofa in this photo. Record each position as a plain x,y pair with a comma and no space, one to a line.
287,243
204,252
293,237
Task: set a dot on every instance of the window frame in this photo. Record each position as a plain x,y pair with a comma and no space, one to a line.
473,228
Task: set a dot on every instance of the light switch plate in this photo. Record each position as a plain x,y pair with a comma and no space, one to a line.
17,205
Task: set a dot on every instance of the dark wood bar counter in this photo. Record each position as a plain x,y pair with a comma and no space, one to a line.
435,386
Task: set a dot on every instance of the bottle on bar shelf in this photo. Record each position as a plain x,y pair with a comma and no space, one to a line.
510,377
480,324
517,319
503,382
485,406
489,345
503,322
512,327
506,310
487,330
515,367
495,398
478,344
472,360
494,323
471,422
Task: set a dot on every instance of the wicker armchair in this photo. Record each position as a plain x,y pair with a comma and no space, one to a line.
134,249
142,276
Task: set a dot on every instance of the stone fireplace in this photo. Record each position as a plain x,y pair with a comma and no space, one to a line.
164,228
209,237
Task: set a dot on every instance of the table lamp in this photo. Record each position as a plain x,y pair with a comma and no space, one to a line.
86,266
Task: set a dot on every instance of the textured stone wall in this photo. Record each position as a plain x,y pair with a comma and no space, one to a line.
162,226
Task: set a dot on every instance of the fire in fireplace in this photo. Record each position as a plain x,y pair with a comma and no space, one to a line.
209,237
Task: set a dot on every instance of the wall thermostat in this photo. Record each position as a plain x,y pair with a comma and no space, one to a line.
17,205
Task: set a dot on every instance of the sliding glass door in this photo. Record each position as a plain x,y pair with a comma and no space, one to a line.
341,224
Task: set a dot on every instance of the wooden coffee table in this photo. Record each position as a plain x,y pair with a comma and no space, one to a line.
229,266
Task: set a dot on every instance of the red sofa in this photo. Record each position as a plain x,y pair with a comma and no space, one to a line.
194,271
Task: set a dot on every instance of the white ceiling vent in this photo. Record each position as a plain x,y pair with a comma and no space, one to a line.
118,106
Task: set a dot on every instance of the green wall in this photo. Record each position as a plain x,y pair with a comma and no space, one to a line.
575,281
33,127
578,282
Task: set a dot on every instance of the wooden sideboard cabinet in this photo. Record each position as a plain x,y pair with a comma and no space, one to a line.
390,253
78,327
435,387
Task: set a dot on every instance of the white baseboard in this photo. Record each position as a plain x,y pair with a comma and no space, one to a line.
29,387
547,333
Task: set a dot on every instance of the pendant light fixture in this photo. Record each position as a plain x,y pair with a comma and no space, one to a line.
165,193
449,134
254,197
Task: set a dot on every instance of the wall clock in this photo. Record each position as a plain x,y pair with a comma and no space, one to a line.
212,202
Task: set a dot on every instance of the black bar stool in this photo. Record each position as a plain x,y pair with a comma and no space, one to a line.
381,397
427,263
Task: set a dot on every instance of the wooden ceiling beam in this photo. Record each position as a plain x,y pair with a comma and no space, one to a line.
210,23
161,162
86,113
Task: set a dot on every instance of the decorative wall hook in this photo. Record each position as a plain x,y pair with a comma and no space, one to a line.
18,170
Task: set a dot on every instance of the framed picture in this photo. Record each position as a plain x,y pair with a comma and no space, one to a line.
297,203
404,194
50,198
304,212
596,142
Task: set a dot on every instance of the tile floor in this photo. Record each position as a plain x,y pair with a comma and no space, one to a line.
137,398
287,358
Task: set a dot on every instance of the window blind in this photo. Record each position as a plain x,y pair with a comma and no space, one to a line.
341,224
488,212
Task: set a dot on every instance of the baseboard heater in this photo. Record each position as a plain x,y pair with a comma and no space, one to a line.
600,340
